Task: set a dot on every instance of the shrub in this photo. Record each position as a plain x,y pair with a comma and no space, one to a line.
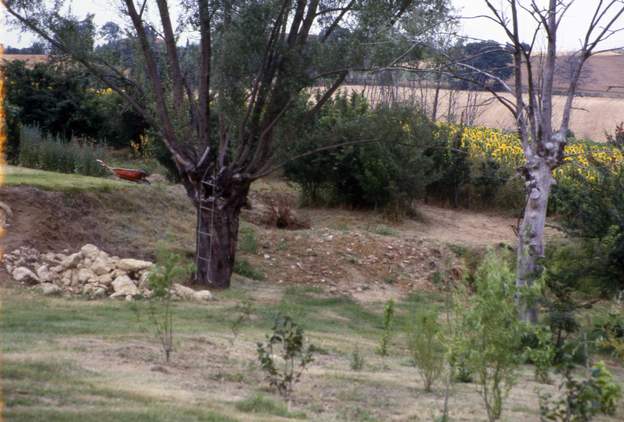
542,354
388,328
592,206
566,286
54,154
426,347
582,399
451,162
285,355
462,372
609,333
64,102
490,332
382,166
169,269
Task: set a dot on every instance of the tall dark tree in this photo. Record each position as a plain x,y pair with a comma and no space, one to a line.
254,59
488,56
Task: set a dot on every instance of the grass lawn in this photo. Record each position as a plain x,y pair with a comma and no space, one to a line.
74,360
59,181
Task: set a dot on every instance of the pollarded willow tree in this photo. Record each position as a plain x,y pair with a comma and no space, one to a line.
530,101
252,60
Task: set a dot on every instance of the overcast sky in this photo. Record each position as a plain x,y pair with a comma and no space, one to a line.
571,31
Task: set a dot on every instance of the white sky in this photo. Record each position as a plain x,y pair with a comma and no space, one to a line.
571,31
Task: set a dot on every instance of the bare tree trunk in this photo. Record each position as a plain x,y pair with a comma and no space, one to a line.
436,97
539,179
217,237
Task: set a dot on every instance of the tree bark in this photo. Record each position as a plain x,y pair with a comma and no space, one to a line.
539,180
217,236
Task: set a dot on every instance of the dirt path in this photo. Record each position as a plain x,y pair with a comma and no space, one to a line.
464,227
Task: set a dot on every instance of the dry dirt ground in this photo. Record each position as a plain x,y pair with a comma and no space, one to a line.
342,251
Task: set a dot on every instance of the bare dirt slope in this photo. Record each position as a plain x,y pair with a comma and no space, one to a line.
352,252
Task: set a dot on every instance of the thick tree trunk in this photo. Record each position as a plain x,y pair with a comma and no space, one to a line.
531,231
217,237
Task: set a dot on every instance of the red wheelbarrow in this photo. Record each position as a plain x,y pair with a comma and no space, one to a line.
132,175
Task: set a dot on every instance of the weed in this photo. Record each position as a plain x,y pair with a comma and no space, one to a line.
384,230
282,245
391,278
260,404
357,360
243,310
247,240
388,327
245,269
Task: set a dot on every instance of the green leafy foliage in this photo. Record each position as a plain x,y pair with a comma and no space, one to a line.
426,346
592,206
170,268
285,355
451,162
609,333
487,56
462,372
388,328
490,334
382,166
65,102
542,353
566,294
582,399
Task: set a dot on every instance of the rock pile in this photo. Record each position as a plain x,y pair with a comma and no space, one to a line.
89,272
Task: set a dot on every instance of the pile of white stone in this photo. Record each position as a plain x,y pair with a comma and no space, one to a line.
89,272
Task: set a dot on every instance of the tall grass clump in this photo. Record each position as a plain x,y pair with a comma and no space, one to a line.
55,154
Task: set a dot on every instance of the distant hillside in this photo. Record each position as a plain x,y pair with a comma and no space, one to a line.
31,59
602,74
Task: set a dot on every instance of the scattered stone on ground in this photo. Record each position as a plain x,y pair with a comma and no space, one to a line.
89,272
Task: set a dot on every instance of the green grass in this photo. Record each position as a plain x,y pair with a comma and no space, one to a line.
59,181
264,405
244,268
58,391
384,230
49,345
52,389
247,240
